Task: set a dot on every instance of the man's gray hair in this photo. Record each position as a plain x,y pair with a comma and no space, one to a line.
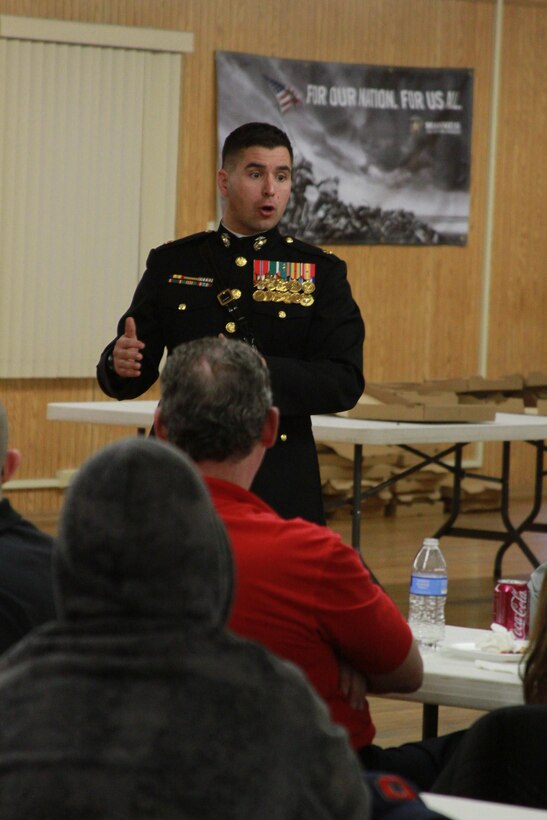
215,395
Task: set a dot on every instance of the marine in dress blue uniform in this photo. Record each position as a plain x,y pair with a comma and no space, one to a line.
297,302
290,300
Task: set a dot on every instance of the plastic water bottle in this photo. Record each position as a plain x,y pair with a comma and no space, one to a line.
428,588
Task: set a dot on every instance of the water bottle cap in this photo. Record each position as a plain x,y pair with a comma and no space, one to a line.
431,542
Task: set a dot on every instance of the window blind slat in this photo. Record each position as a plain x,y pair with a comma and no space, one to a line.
88,152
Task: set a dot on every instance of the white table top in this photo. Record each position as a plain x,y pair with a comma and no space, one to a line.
460,808
506,427
451,680
135,413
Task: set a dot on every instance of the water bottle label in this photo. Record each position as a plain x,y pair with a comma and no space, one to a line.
428,586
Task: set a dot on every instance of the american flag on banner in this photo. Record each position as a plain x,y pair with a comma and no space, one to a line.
286,95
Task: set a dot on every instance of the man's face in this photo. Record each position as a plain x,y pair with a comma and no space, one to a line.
256,185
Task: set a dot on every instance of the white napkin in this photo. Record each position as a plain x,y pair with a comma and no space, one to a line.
499,639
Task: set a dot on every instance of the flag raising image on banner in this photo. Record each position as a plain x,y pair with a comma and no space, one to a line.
382,154
285,95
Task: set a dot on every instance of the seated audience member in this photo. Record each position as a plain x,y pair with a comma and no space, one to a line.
137,702
534,587
535,669
300,590
503,757
26,592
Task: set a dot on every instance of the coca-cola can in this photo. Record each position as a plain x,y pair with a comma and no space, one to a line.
511,607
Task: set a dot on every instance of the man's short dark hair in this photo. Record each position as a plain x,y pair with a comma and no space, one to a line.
215,395
254,133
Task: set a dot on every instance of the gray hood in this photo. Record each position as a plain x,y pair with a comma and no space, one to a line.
139,538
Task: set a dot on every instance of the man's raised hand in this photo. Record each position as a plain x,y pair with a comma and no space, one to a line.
127,356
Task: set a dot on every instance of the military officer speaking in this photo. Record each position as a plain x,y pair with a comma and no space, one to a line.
290,300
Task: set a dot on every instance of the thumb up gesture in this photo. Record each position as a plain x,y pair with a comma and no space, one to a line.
127,356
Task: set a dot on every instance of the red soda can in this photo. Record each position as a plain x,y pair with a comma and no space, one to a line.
511,608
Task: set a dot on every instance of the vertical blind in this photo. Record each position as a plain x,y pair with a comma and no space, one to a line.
88,154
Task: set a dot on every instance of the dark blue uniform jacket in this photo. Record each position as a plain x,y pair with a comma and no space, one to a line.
314,351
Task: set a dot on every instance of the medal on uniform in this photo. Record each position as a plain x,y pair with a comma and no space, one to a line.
289,282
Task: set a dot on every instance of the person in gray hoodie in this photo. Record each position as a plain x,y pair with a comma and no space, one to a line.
138,702
26,590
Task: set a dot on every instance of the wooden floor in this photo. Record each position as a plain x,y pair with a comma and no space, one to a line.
388,547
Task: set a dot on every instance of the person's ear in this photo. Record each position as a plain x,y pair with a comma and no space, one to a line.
222,181
159,427
270,428
11,463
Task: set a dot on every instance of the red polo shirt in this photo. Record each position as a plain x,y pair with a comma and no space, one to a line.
305,595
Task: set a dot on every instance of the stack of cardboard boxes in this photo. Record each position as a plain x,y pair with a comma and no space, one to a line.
427,490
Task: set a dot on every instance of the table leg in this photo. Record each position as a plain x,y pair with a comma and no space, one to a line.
430,720
356,511
511,534
458,474
514,533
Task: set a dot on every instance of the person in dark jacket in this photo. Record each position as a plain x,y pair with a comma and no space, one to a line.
137,702
504,754
502,758
290,300
26,591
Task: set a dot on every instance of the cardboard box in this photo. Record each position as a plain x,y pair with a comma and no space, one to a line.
442,398
478,384
380,404
458,385
372,454
536,379
502,403
416,508
475,496
415,485
535,391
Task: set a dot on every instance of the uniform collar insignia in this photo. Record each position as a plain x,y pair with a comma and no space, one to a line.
256,241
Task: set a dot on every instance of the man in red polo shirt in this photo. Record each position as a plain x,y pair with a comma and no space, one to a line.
300,591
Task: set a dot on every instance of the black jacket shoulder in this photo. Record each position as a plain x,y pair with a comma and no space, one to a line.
311,250
194,238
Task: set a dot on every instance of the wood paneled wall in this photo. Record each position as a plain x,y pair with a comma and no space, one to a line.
422,306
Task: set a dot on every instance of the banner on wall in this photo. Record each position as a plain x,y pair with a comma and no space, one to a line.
382,154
